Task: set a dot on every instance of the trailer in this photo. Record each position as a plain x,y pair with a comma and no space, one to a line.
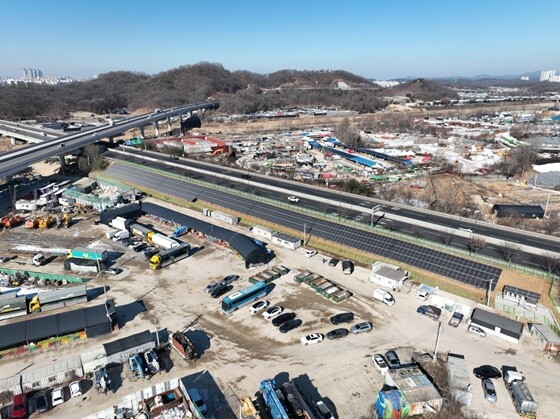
169,256
183,345
140,230
89,254
160,240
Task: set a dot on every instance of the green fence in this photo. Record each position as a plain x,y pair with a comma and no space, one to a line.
23,274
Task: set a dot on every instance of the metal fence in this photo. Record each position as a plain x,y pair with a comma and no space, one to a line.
23,274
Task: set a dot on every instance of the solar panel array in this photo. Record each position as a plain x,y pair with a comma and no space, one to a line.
457,268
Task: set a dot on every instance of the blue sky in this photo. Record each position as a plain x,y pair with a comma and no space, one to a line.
375,39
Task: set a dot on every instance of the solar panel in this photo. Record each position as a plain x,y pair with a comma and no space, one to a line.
457,268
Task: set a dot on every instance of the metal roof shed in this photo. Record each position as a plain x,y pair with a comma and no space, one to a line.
518,211
459,379
545,337
119,350
499,325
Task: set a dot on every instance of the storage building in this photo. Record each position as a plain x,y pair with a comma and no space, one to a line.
387,276
520,296
459,379
261,231
417,388
285,240
518,211
497,325
119,350
545,337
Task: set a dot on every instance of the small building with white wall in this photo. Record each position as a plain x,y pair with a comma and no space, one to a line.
497,325
264,232
285,240
386,275
545,337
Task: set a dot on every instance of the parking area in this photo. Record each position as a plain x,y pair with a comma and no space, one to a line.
244,348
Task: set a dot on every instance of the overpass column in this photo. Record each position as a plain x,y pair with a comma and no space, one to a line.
111,140
142,131
169,125
61,160
13,141
156,128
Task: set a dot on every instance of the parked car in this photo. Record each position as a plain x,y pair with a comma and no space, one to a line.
283,318
337,333
310,253
41,402
290,325
333,262
229,279
57,396
342,318
221,290
312,338
211,287
380,363
432,312
112,271
423,295
361,328
258,306
196,398
139,247
75,389
4,259
489,390
293,199
148,252
476,330
456,319
272,312
393,360
487,371
19,406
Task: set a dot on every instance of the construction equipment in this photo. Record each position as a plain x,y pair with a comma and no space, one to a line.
11,220
183,345
32,222
46,221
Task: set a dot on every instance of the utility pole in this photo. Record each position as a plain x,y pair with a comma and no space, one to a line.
546,206
304,226
488,292
437,341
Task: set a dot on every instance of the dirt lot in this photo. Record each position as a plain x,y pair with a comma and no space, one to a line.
242,349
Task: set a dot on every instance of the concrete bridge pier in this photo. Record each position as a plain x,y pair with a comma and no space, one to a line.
169,125
142,132
111,140
13,141
156,128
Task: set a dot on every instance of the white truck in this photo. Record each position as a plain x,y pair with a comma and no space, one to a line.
38,259
383,296
522,398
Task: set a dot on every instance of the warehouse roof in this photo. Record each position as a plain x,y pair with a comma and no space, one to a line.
245,246
129,342
490,320
39,328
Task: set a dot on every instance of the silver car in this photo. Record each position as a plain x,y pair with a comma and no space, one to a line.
361,328
489,390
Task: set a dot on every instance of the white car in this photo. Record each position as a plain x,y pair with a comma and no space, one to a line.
423,295
75,389
476,330
310,253
293,198
57,396
380,364
258,306
312,338
272,312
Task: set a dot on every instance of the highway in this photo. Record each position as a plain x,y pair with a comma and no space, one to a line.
15,161
405,219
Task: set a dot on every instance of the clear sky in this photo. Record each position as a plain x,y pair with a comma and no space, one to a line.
372,38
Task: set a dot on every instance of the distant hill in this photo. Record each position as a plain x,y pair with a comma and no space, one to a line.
238,91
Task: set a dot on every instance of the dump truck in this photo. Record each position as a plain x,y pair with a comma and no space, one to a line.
183,345
90,254
169,256
523,400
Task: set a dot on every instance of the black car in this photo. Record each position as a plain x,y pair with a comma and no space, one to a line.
139,247
337,333
392,359
246,176
149,252
41,402
487,371
221,290
229,279
333,262
342,318
290,325
283,318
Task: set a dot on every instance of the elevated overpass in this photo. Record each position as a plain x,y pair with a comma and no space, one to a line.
29,134
18,160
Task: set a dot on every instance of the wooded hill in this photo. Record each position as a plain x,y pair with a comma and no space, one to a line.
238,91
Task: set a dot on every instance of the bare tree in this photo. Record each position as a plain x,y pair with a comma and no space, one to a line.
476,243
417,232
508,251
348,133
551,225
549,262
446,237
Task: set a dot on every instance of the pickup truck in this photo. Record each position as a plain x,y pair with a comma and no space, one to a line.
456,319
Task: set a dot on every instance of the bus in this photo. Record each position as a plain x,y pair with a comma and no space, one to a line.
240,298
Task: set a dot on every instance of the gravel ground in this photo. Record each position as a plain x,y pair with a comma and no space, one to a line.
242,349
